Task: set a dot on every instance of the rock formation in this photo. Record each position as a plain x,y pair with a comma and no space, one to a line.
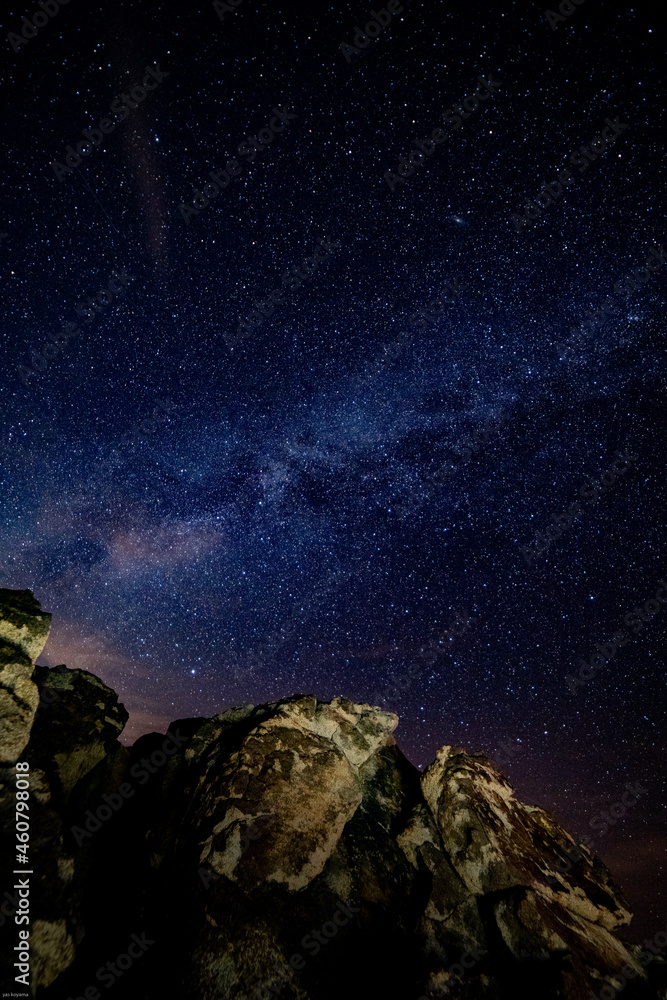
23,632
288,850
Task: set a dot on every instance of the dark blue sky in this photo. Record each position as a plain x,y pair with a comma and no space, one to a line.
217,512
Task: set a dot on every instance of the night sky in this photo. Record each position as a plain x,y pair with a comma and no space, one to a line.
349,495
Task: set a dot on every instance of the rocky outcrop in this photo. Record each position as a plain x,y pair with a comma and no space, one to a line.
75,759
290,850
77,728
510,857
24,629
67,731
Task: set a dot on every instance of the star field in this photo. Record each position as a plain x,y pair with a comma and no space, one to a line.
347,495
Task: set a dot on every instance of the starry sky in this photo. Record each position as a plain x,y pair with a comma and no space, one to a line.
349,495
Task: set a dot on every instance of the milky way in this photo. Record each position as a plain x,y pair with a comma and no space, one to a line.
253,467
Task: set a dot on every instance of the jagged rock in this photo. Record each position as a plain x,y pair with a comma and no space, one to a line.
24,629
74,758
23,624
290,850
77,726
451,917
511,854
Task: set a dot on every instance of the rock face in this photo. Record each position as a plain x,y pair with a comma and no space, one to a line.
24,629
290,850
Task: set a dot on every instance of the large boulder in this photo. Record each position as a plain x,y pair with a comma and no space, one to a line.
299,767
510,857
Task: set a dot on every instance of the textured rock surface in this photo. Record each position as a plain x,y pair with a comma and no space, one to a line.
299,768
24,629
290,850
74,757
77,728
